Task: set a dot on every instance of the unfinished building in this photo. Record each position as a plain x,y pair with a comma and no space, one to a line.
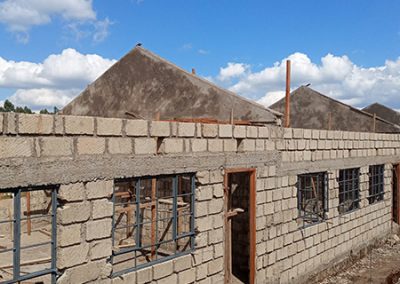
313,110
117,200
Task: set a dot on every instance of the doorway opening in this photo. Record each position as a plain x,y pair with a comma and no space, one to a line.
240,226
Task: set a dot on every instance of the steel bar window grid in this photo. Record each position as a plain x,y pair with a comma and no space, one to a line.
17,274
376,183
349,190
140,191
312,197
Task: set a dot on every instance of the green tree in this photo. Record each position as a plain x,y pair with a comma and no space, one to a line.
8,106
44,111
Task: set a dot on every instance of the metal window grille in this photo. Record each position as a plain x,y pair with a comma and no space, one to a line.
376,183
349,190
313,197
28,235
153,220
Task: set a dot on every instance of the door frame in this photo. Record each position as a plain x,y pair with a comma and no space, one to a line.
252,224
396,171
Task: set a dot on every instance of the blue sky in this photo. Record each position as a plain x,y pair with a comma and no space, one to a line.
233,43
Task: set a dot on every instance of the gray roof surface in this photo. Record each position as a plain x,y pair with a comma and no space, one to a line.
384,112
145,84
311,109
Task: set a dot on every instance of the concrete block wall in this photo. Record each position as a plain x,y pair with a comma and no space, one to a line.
85,154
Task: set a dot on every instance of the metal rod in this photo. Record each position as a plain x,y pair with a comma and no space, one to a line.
28,212
17,234
287,100
153,217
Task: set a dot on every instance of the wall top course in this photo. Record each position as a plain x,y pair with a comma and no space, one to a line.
40,124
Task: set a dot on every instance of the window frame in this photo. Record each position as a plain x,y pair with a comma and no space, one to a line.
137,224
16,193
349,186
310,220
376,188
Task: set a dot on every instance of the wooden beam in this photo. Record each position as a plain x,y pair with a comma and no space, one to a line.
287,98
374,123
153,217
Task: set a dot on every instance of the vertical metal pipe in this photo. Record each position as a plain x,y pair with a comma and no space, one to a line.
192,213
53,235
287,99
17,234
174,210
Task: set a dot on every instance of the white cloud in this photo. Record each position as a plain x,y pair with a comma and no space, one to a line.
232,70
55,81
19,16
335,76
38,99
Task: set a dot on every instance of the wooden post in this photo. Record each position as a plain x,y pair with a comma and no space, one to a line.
374,123
398,194
231,116
287,99
153,217
193,71
329,121
28,213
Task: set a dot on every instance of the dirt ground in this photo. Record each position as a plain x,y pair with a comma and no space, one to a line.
381,265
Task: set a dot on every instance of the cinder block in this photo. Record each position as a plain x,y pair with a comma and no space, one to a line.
210,130
16,147
171,145
71,256
120,146
251,132
215,266
186,277
109,126
297,133
71,192
91,145
35,124
186,129
79,125
137,127
168,280
100,249
56,146
247,145
99,189
199,145
160,129
145,146
102,208
239,131
225,130
263,132
68,235
230,145
215,145
73,213
86,273
98,229
10,124
182,263
144,275
162,270
58,124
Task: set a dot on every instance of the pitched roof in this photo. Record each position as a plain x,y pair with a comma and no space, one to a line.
144,85
384,112
313,110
